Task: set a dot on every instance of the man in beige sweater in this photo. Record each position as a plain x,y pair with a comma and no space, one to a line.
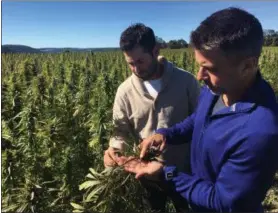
156,95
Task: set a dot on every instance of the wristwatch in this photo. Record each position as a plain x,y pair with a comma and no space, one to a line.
170,172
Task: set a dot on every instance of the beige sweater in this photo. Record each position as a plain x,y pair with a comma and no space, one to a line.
137,114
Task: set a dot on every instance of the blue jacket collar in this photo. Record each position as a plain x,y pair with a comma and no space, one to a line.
253,96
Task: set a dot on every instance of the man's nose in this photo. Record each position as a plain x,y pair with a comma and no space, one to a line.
136,69
202,74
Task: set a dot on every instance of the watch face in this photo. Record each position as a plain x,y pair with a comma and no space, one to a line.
169,175
170,172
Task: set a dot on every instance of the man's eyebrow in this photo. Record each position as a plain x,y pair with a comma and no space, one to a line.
134,61
203,64
206,66
129,60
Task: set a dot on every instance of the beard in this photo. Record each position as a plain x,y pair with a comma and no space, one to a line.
147,74
215,90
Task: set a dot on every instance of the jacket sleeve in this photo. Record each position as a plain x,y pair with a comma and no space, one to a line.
182,132
243,180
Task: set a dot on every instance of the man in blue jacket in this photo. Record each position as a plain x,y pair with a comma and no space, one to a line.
234,130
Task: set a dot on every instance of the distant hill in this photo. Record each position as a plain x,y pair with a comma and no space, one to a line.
13,48
70,49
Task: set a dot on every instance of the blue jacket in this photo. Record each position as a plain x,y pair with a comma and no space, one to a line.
234,153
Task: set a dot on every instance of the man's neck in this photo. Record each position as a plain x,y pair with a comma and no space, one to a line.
159,71
233,97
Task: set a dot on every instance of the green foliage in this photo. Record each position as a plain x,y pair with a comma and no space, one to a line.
56,122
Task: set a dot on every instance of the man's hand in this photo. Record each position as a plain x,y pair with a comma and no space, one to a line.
158,141
111,157
141,168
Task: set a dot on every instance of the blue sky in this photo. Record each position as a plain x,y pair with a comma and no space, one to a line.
99,24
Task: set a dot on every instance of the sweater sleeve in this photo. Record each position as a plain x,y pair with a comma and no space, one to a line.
243,180
122,128
193,94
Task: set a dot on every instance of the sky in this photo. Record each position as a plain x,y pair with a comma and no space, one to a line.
99,24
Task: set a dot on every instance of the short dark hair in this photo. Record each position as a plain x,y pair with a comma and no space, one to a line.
137,35
231,30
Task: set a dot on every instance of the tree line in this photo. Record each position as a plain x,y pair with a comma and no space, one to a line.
270,39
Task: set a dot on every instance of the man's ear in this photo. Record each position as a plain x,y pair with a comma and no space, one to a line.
155,51
161,59
250,65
